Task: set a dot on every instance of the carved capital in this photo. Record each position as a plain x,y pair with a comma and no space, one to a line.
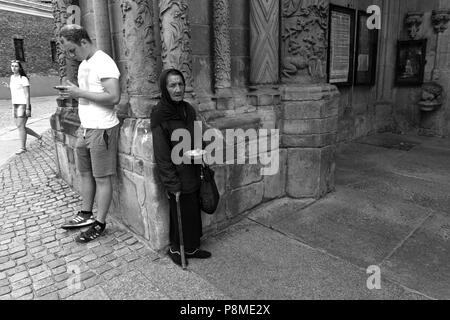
413,21
440,19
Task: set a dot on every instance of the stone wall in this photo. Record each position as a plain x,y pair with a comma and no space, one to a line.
224,99
36,32
385,106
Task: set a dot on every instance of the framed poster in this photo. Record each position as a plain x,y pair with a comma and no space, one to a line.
366,52
341,45
410,65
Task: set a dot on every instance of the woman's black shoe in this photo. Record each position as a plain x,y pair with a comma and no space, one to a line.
175,256
198,254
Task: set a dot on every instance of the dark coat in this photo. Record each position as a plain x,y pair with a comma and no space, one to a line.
165,118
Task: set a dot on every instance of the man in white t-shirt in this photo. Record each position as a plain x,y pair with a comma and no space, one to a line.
96,150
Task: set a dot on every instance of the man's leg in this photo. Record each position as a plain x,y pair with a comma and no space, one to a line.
104,197
83,161
88,189
104,161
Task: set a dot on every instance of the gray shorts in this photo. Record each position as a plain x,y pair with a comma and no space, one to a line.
96,151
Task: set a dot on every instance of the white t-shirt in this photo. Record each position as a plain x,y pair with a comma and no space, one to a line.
90,73
17,85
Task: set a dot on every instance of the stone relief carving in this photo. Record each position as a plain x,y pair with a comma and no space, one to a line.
413,21
440,19
222,44
175,36
264,41
304,40
139,45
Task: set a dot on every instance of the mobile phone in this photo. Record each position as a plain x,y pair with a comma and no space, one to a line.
60,87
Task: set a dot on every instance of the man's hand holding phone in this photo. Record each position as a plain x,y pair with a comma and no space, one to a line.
69,91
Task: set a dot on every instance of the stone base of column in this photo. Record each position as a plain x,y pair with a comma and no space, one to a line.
264,96
308,132
433,123
65,123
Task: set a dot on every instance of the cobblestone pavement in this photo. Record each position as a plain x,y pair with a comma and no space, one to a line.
39,260
41,106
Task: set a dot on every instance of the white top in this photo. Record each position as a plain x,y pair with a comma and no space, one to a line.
17,85
90,73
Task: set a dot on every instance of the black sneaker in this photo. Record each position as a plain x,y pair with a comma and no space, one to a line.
198,254
176,257
79,221
92,233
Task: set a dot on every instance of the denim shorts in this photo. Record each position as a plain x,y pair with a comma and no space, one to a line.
96,151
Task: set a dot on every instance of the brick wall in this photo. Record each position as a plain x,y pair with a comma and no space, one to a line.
36,33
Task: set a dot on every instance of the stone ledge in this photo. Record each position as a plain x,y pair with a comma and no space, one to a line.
241,121
310,126
308,140
309,92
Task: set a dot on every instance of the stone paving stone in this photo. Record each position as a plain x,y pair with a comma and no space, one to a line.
15,294
50,296
7,265
18,276
66,292
40,276
103,268
26,297
41,284
94,293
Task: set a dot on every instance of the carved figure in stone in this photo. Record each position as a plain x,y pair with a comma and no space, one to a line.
175,36
440,19
431,97
304,28
413,21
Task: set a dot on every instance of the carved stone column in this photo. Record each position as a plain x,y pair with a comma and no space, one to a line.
176,38
310,105
434,122
139,46
264,53
102,25
264,43
68,68
65,121
222,45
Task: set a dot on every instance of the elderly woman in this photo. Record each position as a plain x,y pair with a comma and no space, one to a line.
182,181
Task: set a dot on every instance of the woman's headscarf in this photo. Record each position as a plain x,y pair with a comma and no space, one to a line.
167,109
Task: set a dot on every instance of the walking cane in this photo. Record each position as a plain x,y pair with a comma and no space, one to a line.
180,233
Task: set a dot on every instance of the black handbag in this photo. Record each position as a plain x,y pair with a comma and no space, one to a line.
209,194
